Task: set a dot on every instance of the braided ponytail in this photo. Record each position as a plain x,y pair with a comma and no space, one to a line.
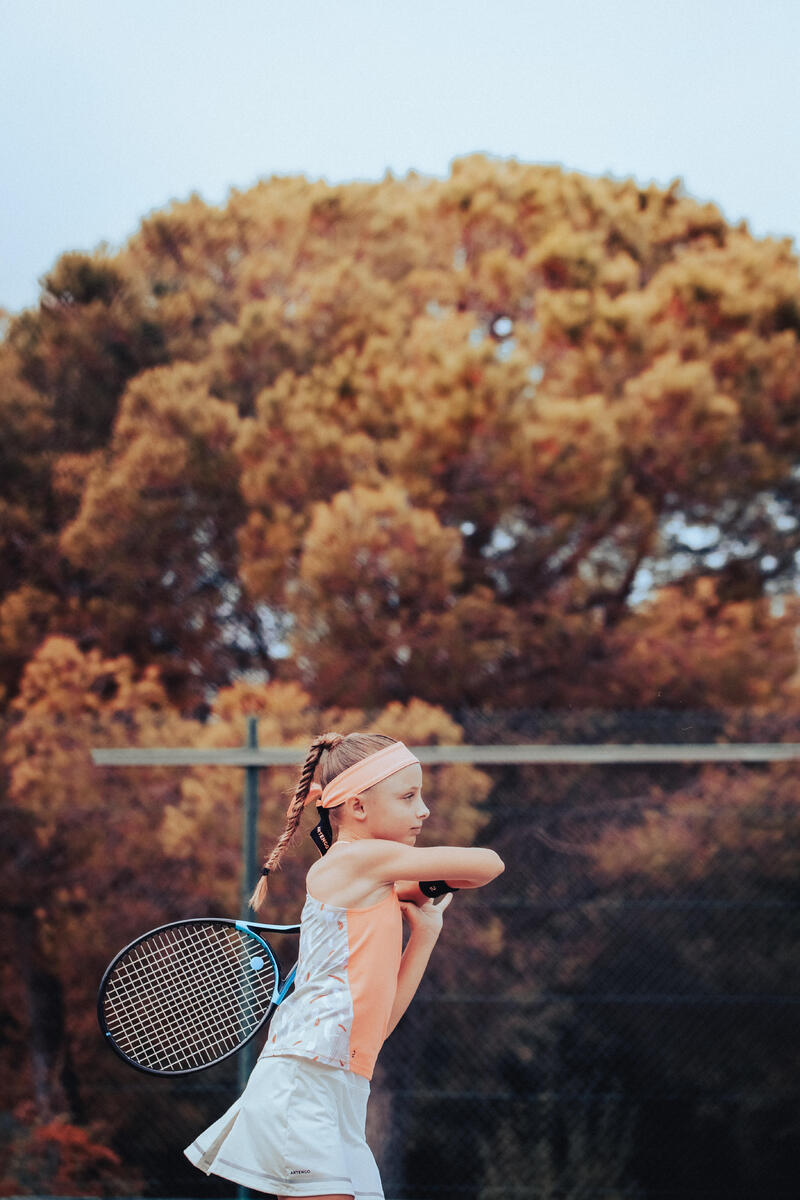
340,752
326,741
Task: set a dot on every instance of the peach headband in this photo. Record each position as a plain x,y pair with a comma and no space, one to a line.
363,775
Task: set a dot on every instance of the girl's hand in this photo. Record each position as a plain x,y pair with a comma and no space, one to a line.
426,918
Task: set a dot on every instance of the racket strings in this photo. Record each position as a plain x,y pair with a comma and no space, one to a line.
187,996
223,1014
210,1037
189,1003
143,1030
191,987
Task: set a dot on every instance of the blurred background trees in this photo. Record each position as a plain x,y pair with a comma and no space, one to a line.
385,455
555,395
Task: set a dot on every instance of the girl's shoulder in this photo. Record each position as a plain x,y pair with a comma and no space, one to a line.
339,879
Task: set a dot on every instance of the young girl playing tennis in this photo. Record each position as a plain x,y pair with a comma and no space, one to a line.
298,1129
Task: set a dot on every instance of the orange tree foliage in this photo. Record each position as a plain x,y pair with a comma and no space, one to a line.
56,1158
78,846
536,384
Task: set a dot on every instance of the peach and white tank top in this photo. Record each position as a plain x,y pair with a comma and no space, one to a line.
345,985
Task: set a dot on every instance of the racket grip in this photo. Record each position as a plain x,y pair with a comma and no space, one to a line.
435,887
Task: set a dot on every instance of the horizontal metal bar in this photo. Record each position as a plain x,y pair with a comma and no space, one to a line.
657,998
619,904
218,756
547,1094
273,756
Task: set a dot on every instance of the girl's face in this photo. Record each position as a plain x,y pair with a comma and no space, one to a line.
395,808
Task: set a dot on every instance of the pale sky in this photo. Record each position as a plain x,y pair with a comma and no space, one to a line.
112,108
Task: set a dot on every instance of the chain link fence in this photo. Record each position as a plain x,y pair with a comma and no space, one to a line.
614,1017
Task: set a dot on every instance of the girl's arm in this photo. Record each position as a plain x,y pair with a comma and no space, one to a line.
426,925
388,862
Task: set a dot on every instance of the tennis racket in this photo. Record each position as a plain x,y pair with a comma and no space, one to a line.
189,994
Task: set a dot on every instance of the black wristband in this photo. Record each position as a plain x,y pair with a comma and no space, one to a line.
435,887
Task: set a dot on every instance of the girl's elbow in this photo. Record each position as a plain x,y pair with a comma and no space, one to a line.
493,866
498,865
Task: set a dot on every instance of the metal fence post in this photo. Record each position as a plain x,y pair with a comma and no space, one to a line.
250,827
249,875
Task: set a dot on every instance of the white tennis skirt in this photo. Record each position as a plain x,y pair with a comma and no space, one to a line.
298,1129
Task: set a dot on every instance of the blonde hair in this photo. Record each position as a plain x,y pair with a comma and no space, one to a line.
332,753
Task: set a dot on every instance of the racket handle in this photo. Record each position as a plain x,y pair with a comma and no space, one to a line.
435,887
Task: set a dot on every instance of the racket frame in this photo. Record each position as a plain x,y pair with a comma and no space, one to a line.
279,991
